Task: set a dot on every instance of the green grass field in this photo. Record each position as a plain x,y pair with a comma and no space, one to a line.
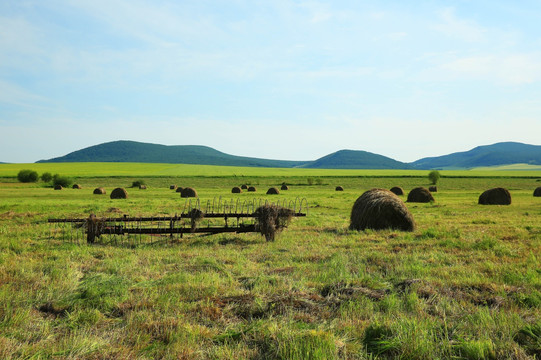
466,284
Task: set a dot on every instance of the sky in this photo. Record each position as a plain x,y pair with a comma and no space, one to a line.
275,79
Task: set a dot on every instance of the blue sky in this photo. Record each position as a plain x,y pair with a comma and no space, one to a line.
292,80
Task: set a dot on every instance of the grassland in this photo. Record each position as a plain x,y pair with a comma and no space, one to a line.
465,285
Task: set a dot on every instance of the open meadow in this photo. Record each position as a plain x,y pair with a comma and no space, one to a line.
465,284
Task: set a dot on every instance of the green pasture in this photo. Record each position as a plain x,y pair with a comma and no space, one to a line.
466,284
184,170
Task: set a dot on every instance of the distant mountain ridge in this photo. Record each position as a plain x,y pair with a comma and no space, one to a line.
504,153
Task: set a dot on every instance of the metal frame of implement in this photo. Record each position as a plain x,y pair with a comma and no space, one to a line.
95,227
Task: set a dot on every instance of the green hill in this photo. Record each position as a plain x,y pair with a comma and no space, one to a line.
355,159
131,151
498,154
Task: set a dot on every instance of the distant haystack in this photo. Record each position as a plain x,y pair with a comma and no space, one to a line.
380,209
99,191
236,190
420,195
339,188
496,196
58,187
284,187
119,193
188,192
172,187
273,191
179,189
252,189
142,187
397,190
244,187
433,188
76,186
537,192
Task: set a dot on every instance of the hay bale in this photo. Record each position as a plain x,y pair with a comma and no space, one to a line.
397,190
252,189
58,187
339,188
76,186
273,191
433,189
99,191
420,195
379,209
236,190
244,187
270,219
179,189
172,187
188,192
284,187
495,196
142,187
537,192
119,193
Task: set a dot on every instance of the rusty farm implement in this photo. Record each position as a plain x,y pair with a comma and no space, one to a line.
259,216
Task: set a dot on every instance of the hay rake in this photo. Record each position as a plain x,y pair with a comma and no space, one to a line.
215,217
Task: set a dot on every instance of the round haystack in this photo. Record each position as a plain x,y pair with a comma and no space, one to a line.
179,189
188,192
537,192
273,191
142,187
284,187
236,190
433,188
119,193
496,196
76,186
252,189
172,187
379,209
397,190
420,195
244,187
99,191
339,188
58,187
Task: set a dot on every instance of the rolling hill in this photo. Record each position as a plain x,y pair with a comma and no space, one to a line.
498,154
132,151
354,159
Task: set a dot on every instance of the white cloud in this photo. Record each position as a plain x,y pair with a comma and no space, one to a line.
454,27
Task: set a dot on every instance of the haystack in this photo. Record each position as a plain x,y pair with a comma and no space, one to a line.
172,187
537,192
99,191
236,190
142,187
58,187
188,192
119,193
179,189
252,189
271,219
433,189
273,191
244,187
380,209
339,188
397,190
420,195
284,187
76,186
495,196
